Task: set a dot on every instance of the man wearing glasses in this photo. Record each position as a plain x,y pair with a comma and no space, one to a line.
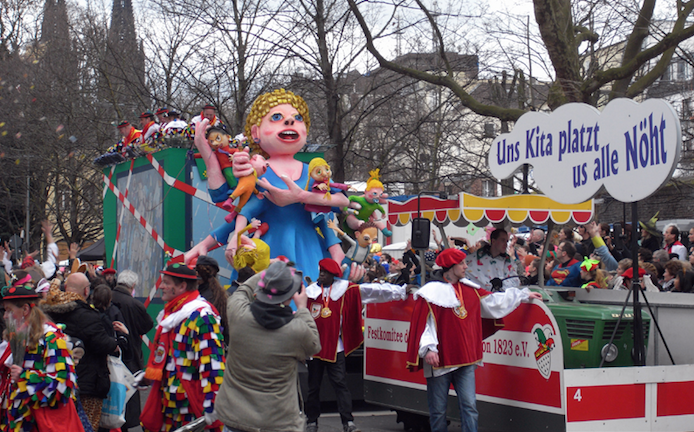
568,271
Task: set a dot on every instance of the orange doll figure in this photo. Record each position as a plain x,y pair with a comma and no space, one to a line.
320,172
246,186
219,141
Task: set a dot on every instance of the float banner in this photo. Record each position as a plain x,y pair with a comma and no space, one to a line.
629,148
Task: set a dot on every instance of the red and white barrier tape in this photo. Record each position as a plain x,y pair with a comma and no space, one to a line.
180,185
122,213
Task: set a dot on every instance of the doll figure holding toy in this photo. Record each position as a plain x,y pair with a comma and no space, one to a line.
276,127
368,208
246,187
219,141
320,172
359,249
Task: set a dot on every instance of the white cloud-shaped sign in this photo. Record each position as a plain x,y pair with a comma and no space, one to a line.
630,148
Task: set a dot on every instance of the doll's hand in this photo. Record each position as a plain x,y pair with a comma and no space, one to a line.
356,272
323,186
255,223
331,224
230,251
242,164
200,141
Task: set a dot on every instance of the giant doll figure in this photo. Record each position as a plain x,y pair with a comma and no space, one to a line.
276,127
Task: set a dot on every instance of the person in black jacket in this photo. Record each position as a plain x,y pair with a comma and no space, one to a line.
84,322
411,261
138,322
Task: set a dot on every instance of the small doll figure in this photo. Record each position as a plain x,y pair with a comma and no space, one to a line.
320,172
368,208
252,252
246,187
219,141
360,248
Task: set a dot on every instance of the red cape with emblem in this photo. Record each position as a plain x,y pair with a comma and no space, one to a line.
346,309
459,334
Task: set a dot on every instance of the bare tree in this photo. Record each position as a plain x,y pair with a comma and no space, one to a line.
567,43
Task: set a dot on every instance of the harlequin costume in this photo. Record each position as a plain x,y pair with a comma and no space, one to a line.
151,138
189,132
337,312
126,141
43,398
447,319
186,363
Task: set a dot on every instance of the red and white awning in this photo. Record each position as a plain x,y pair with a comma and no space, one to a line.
517,209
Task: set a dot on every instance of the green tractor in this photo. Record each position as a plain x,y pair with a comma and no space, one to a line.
586,330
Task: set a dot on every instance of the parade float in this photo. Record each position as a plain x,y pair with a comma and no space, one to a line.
541,370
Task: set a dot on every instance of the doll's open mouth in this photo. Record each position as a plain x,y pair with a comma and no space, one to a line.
288,135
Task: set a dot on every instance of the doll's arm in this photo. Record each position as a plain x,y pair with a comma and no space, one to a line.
294,194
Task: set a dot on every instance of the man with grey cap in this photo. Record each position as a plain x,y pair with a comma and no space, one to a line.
260,390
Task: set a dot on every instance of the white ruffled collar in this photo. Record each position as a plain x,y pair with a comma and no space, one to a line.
442,293
177,317
338,289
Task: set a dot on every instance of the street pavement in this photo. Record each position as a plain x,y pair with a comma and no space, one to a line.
369,418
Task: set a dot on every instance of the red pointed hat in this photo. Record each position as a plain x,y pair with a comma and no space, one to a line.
331,266
450,257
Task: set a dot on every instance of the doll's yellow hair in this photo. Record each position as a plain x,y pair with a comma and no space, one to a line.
373,181
317,162
262,106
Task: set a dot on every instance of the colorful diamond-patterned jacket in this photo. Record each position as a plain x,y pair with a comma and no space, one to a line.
194,365
48,380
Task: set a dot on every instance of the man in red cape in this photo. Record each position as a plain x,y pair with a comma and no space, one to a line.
336,306
447,330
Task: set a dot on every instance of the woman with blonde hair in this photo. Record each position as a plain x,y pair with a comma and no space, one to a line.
41,394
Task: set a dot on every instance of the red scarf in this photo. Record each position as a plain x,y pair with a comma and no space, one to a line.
212,122
162,341
132,136
145,129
